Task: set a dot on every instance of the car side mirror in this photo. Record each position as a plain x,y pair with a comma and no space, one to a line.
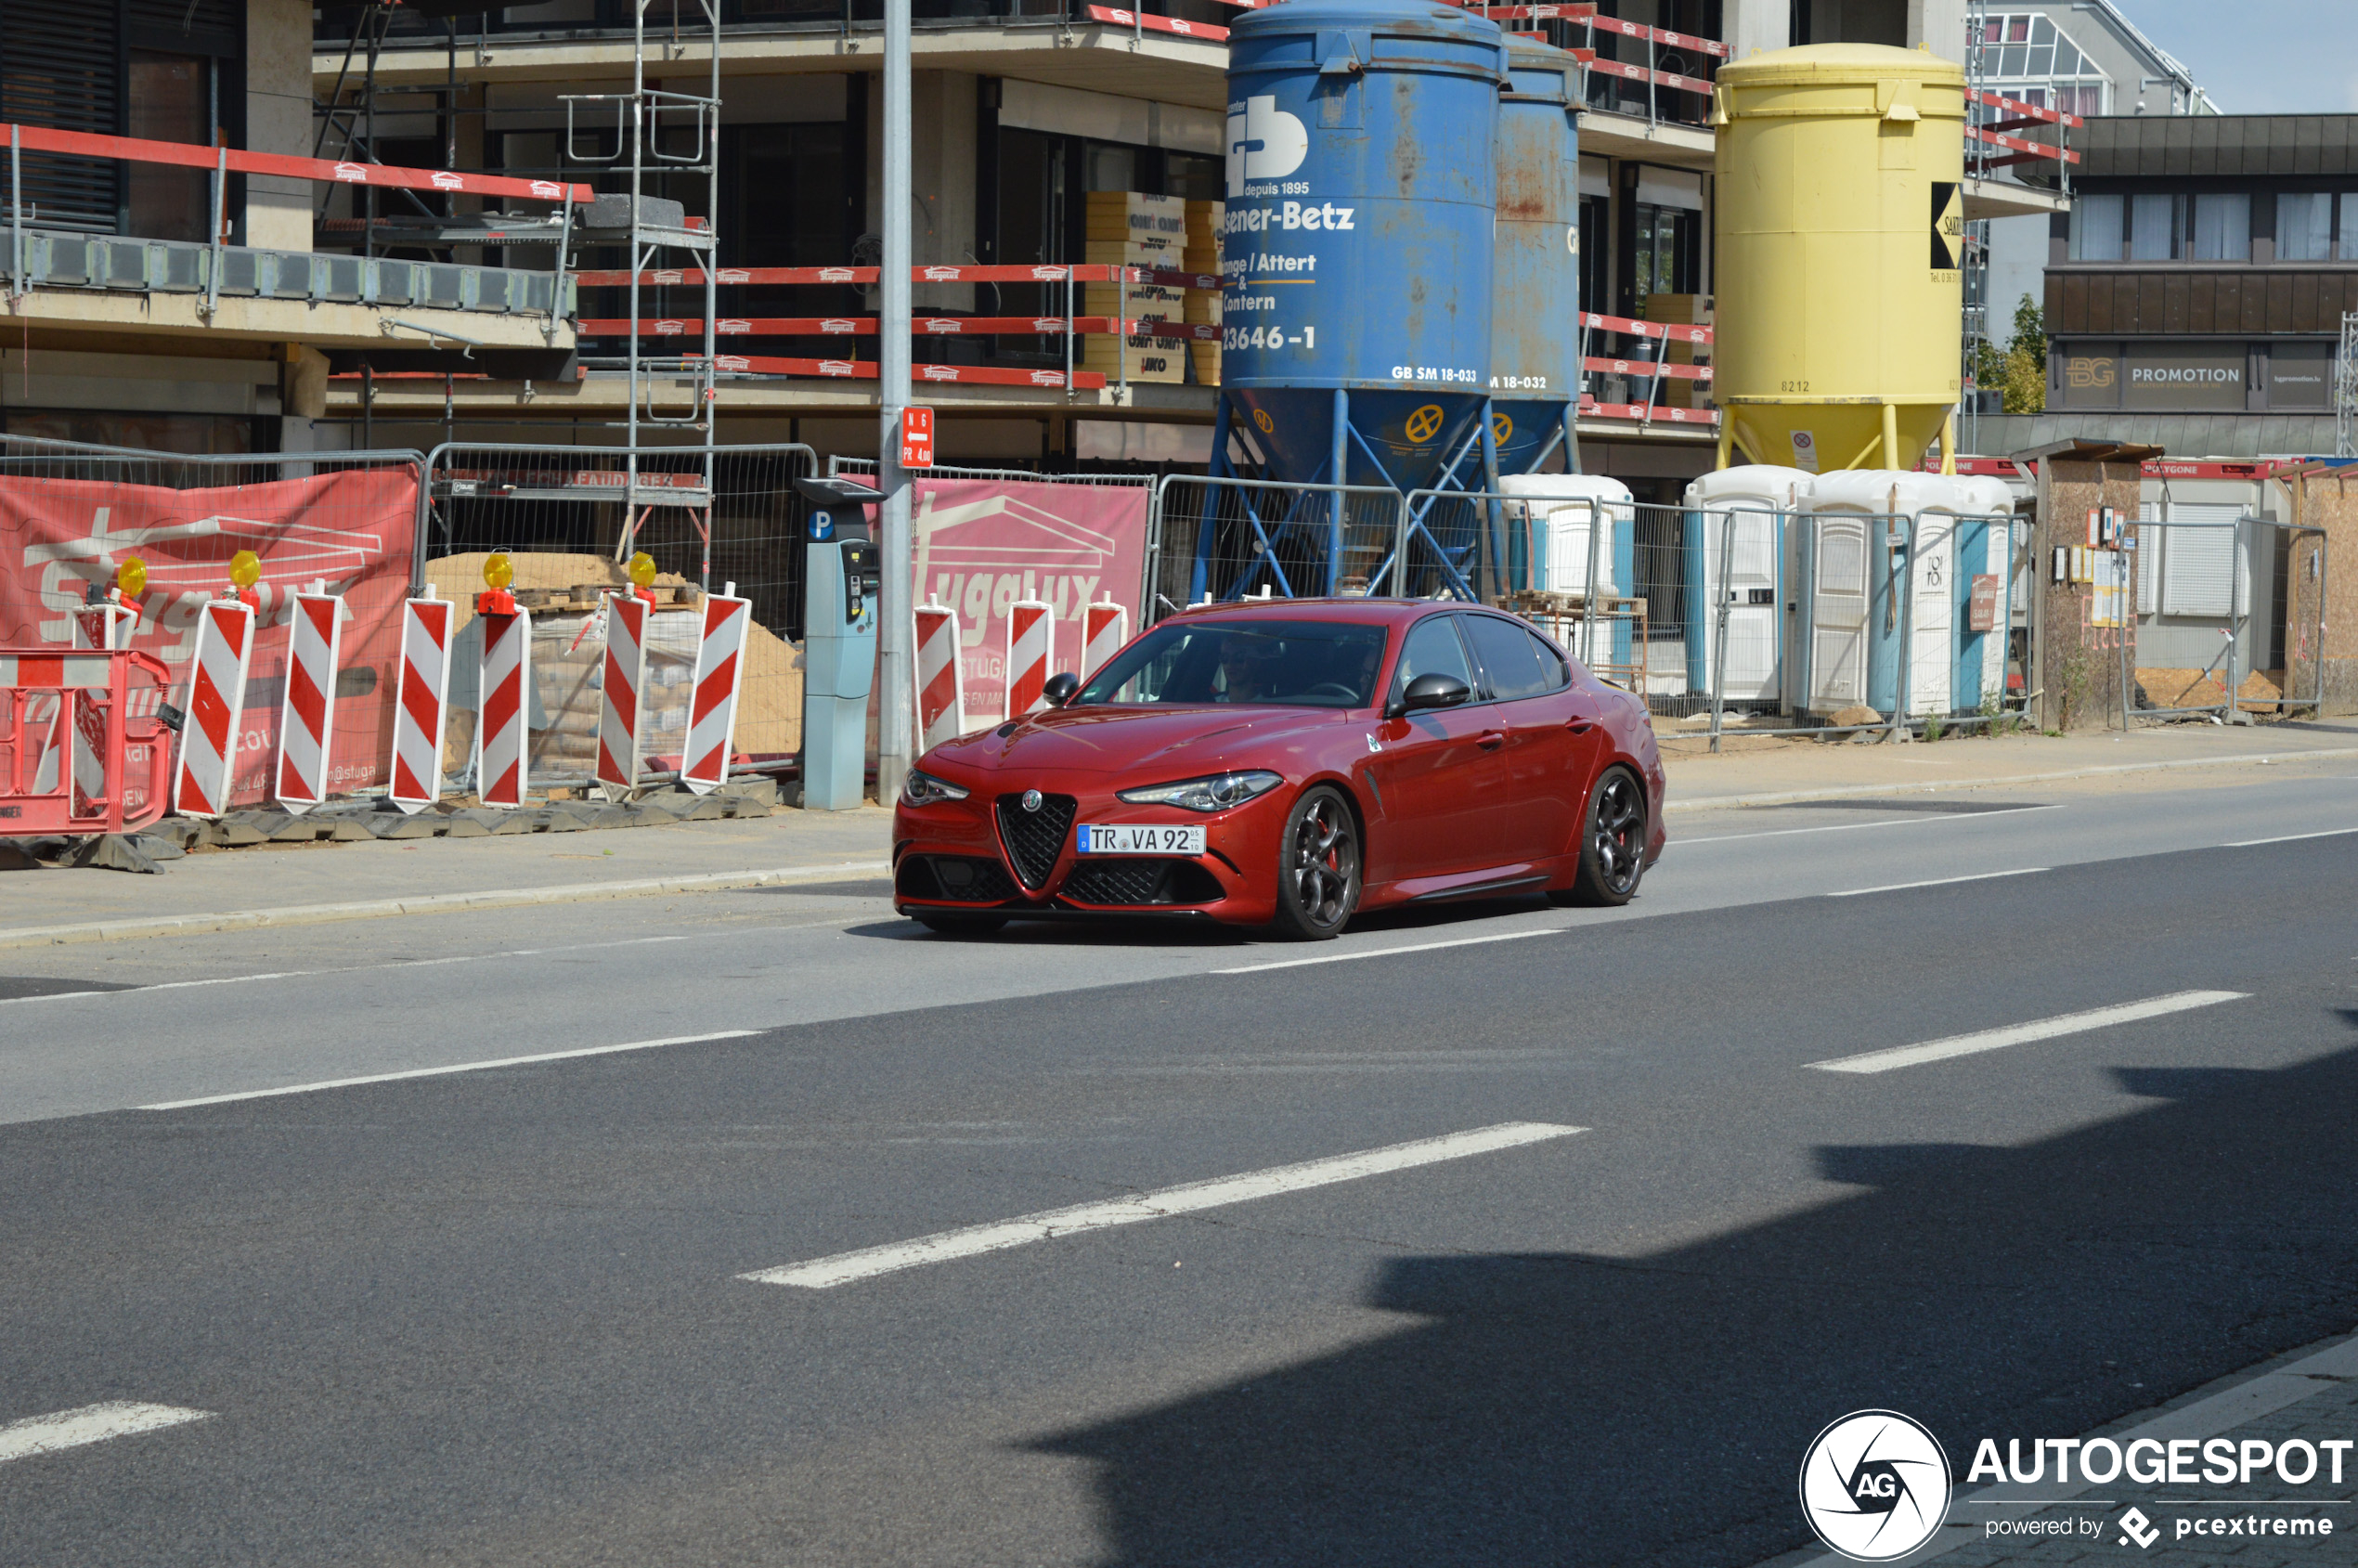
1432,689
1060,688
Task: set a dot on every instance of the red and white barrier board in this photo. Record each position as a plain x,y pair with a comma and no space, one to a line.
417,709
306,723
1032,643
217,707
941,685
1105,627
712,707
624,675
506,687
104,626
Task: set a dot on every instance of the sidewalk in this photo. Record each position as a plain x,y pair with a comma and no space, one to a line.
278,885
1762,771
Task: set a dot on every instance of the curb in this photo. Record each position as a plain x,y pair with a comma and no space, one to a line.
424,903
1907,786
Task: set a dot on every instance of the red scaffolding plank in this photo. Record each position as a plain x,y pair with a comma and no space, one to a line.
1095,273
194,155
1586,12
924,326
2028,149
1676,333
2026,112
1643,369
865,371
1660,78
1203,30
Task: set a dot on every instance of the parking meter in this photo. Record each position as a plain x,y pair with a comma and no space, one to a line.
840,583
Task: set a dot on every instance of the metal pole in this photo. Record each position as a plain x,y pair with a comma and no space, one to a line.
1719,621
894,625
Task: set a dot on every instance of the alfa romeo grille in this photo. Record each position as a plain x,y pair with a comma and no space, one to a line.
1141,881
1034,839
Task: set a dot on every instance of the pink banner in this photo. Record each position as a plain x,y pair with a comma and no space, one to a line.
982,544
351,531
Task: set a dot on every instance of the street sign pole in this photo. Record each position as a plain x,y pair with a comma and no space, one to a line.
894,627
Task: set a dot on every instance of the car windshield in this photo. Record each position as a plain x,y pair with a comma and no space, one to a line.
1290,664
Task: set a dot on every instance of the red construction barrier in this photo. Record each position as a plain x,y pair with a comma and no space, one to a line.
424,688
505,695
625,674
712,713
108,701
1031,635
216,705
306,723
1105,627
942,687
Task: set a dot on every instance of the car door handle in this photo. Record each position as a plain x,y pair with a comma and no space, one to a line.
1491,740
1581,726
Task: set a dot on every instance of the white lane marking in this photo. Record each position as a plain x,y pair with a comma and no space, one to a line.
347,969
2289,838
2021,1034
1915,820
842,1268
91,1423
1938,882
441,1071
1388,952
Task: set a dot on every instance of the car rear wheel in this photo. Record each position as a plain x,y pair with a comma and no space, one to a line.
961,925
1318,867
1613,843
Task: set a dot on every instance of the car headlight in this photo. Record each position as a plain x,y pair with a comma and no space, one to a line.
1214,794
924,789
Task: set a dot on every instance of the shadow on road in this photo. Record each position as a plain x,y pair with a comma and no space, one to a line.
1566,1409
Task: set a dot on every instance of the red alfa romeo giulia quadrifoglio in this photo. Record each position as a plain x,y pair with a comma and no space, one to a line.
1289,763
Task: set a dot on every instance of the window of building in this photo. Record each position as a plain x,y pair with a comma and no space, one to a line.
2304,225
1667,256
2153,227
2097,224
2349,203
2028,57
171,98
2222,228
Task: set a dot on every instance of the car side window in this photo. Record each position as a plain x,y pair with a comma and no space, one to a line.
1433,649
1509,656
1551,664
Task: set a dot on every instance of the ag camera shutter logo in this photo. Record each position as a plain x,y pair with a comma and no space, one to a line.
1264,143
1874,1485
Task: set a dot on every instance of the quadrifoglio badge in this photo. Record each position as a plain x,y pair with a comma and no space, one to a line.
1876,1485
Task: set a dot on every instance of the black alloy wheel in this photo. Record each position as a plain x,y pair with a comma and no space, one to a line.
1318,867
1613,845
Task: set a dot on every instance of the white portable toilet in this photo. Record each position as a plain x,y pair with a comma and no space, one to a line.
1855,555
1561,508
1740,511
1984,548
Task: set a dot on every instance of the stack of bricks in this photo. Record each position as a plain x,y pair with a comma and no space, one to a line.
1132,228
1204,255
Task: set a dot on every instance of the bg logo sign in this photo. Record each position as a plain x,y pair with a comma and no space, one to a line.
1874,1485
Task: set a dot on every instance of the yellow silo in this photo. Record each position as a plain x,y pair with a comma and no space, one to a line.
1841,228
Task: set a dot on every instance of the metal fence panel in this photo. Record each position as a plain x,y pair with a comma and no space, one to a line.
1228,539
72,513
569,518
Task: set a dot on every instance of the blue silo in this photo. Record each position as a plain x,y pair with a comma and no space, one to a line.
1360,192
1534,316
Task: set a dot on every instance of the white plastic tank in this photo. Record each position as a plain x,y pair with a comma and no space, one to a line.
1561,511
1739,511
1854,557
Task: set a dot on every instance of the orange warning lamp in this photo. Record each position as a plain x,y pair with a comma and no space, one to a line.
643,575
498,573
245,570
131,577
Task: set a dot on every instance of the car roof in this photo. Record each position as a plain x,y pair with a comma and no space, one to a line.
1378,612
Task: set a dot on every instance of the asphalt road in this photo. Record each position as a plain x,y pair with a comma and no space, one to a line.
497,1315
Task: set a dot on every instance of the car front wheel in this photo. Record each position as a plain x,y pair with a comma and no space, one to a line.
1318,867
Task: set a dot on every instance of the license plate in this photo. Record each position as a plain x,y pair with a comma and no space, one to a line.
1140,839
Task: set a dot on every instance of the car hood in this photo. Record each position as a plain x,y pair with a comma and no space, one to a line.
1172,743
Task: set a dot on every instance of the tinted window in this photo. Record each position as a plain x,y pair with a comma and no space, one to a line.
1551,664
1291,664
1509,656
1433,649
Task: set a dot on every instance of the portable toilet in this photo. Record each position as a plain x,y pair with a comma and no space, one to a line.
1560,510
1740,511
1984,507
1854,558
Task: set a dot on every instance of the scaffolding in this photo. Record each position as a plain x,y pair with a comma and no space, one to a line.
2346,388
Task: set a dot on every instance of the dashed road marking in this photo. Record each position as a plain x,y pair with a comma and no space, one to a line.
2023,1034
1938,882
89,1423
443,1071
843,1268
